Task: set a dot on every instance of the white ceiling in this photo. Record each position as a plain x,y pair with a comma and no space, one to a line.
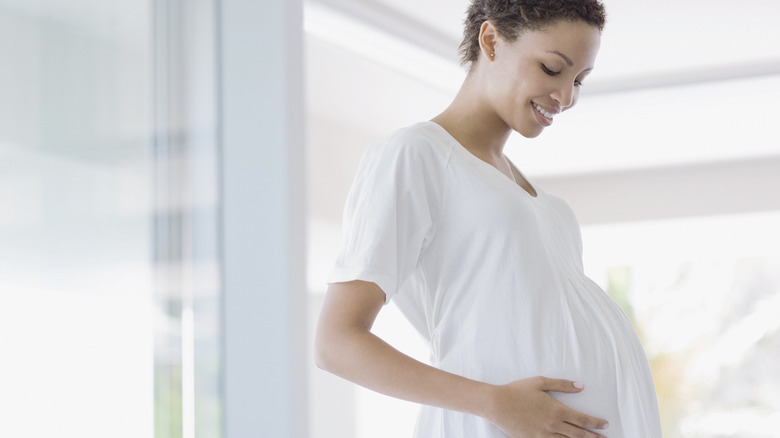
642,38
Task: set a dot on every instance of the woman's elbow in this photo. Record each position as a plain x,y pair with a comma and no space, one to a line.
346,317
323,350
336,349
320,356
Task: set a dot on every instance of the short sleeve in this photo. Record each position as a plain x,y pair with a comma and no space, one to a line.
390,213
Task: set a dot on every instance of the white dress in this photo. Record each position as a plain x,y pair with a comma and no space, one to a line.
492,277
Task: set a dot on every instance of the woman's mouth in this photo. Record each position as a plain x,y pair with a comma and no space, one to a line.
544,117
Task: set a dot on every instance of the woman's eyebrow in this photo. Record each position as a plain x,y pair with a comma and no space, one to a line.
565,58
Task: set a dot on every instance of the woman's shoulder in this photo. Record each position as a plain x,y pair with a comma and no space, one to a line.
421,142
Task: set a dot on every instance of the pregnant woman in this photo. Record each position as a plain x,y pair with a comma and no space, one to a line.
484,263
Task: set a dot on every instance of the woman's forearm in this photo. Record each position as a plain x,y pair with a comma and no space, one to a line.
345,346
365,359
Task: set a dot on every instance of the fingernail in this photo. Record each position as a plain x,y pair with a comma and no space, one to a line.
605,425
579,385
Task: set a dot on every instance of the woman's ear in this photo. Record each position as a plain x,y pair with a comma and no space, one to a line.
488,36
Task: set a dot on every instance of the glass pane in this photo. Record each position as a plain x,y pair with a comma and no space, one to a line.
187,365
109,275
75,229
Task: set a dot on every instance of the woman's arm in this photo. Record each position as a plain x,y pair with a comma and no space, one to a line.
345,346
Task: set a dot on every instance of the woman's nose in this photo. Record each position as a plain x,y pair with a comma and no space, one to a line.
566,96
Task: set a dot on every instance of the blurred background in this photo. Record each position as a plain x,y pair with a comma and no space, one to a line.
141,178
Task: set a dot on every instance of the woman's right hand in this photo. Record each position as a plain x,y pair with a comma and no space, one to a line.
524,409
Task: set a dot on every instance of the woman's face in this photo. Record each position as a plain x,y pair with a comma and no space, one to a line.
540,73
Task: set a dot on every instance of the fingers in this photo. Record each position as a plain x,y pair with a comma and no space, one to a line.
573,418
560,385
526,408
584,421
575,432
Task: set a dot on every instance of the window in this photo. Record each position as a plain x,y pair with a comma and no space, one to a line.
109,276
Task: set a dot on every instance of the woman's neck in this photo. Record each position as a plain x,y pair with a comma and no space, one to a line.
474,123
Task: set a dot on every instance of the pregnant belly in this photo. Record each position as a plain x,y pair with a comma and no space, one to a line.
574,333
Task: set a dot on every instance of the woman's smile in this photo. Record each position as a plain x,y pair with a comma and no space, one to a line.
544,117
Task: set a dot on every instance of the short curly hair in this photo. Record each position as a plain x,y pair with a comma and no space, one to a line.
513,17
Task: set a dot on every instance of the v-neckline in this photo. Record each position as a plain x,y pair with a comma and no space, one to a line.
515,171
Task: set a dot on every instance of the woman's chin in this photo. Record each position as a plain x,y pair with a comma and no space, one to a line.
530,133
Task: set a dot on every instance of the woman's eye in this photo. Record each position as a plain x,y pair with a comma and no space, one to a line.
548,71
577,83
